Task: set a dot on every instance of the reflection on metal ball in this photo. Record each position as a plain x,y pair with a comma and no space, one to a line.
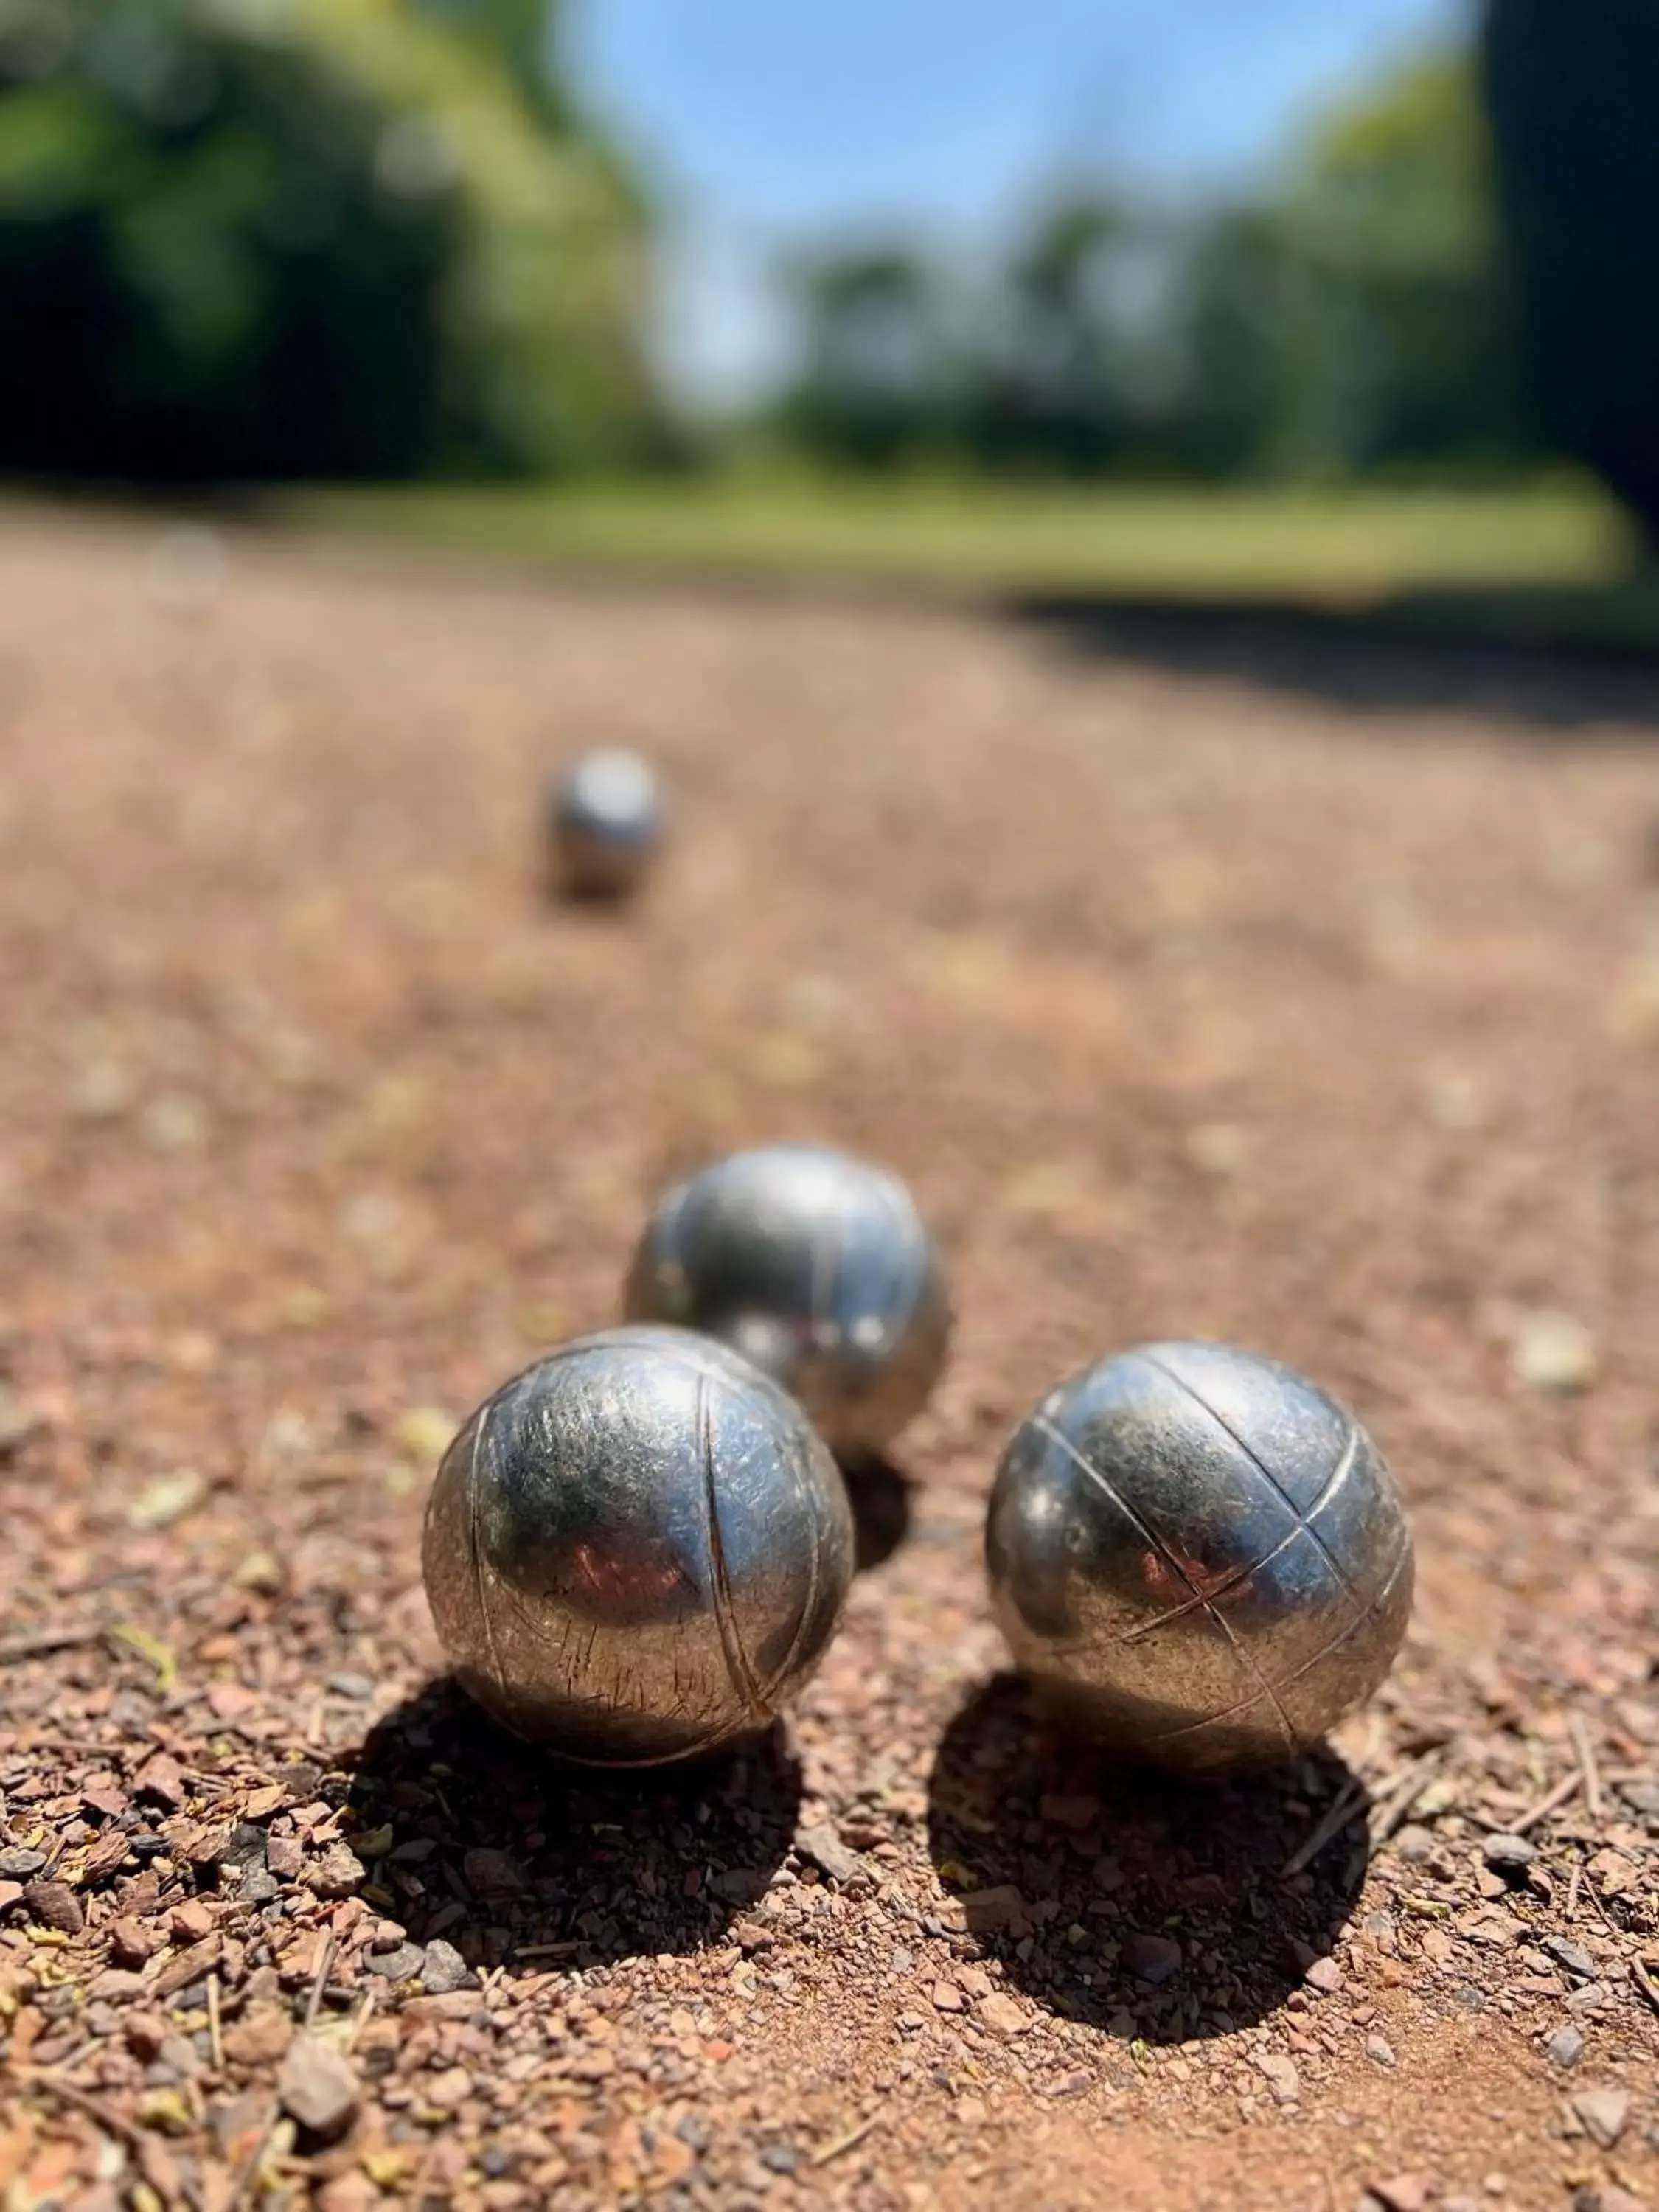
818,1268
1200,1558
637,1550
607,823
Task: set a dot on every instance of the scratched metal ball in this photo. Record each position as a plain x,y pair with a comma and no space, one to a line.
817,1267
607,820
637,1550
1198,1557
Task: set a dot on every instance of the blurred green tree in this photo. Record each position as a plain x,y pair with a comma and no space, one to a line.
880,380
253,239
1573,93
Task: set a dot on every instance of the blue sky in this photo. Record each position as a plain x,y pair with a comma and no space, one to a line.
771,123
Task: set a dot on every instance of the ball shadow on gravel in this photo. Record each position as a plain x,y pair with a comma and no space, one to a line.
524,1862
1147,1905
880,1496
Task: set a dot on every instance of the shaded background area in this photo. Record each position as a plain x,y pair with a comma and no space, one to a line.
1142,325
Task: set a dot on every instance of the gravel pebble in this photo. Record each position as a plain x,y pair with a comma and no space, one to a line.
317,2087
1572,1956
1152,1958
444,1970
1509,1856
1566,2046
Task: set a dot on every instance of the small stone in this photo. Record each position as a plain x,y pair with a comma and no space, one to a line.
131,1943
167,1498
1003,2016
445,1971
191,1923
55,1904
448,2091
947,1997
245,1846
317,2087
1414,1843
401,1965
340,1872
1508,1857
821,1844
778,2158
1604,2112
18,1866
258,1887
1566,2046
492,1873
1641,1798
1325,1976
1406,2192
1380,2051
1572,1957
1553,1352
260,2039
162,1781
1281,2074
1076,1814
1152,1958
358,1688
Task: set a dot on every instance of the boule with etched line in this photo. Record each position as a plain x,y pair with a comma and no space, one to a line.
637,1550
1198,1557
818,1266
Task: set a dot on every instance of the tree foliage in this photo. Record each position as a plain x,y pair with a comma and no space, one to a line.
1353,316
247,239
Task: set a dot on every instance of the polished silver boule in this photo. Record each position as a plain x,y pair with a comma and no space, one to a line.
817,1267
607,818
637,1550
1200,1558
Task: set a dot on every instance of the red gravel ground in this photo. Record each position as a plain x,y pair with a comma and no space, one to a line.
1191,1003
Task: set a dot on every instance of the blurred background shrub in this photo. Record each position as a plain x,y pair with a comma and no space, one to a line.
1356,315
279,239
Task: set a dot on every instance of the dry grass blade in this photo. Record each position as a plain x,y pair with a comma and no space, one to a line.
850,2141
1584,1752
81,2101
1348,1803
1568,1787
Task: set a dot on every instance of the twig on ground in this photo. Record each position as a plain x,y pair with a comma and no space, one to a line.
1644,1981
850,2141
1584,1752
216,2039
82,2101
319,1981
1575,1879
43,1642
1552,1801
1348,1803
1394,1805
361,2017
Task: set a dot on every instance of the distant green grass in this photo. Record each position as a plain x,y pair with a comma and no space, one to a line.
1554,557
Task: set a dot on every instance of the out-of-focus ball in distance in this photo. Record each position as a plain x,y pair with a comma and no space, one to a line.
1200,1558
817,1266
637,1550
607,821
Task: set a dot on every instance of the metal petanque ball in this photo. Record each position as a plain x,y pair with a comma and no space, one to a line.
607,821
637,1550
1198,1557
814,1266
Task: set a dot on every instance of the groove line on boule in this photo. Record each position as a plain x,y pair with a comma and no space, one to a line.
737,1659
1245,1658
1267,1474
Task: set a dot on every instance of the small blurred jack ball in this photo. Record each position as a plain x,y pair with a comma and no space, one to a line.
607,824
